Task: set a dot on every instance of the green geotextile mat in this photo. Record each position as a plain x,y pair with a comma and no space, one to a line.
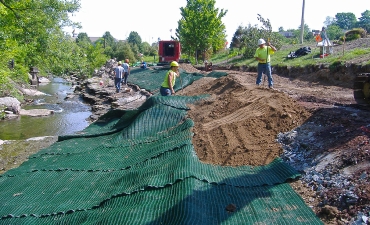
143,169
151,79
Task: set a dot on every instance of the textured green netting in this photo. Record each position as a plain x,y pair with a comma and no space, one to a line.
151,80
140,167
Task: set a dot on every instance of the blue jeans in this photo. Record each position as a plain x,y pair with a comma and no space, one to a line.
125,76
266,69
165,91
117,83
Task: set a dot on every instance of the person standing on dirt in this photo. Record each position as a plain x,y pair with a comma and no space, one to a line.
126,67
118,74
169,80
262,55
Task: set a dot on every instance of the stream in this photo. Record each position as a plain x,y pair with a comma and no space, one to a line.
70,116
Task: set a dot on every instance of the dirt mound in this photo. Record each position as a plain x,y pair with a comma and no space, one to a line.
238,124
188,68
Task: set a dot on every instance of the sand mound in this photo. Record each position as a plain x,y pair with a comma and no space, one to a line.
238,125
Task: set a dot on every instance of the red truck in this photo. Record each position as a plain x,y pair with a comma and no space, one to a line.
169,51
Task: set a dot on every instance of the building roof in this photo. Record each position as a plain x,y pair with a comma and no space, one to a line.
93,39
287,34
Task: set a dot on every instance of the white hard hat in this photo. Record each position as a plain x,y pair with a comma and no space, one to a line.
261,41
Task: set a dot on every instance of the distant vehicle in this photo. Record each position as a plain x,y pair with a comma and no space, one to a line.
169,51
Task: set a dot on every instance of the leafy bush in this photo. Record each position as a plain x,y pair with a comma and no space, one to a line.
354,34
352,37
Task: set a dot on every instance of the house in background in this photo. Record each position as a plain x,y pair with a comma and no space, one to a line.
287,34
93,39
315,32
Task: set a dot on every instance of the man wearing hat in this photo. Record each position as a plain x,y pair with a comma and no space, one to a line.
167,87
118,73
262,55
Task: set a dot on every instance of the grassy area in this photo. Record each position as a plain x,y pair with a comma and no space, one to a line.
280,57
150,59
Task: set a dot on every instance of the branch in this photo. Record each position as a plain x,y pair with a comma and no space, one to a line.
10,8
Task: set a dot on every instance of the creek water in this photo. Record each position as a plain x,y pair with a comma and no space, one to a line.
70,116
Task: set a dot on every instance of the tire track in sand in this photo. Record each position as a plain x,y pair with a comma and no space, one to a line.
252,110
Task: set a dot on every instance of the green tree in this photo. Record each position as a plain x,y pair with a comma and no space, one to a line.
237,38
346,20
95,57
334,32
135,40
82,37
32,22
247,37
27,31
364,21
201,29
145,48
124,51
307,34
329,21
109,44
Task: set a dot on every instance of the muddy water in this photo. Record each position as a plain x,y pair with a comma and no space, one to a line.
69,116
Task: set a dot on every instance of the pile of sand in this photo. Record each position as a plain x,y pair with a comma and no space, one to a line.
238,125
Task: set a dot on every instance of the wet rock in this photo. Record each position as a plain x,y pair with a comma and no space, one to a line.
10,104
100,92
36,112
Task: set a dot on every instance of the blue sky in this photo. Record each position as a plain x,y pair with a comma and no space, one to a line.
155,19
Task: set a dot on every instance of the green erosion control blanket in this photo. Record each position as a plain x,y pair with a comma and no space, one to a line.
151,80
140,167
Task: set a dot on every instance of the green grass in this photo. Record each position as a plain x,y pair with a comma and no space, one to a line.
280,57
150,59
313,58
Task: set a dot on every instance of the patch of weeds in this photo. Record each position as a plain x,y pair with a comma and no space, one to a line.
2,112
333,67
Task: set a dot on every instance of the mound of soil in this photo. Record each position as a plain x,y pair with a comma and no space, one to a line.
310,120
238,124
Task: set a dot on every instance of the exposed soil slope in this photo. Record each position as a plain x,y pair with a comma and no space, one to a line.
238,125
312,121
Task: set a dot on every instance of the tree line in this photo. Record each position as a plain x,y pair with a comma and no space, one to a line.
32,35
244,38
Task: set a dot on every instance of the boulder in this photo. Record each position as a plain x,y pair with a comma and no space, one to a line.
44,80
36,112
10,104
32,92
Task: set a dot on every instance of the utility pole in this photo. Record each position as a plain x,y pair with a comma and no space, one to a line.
302,22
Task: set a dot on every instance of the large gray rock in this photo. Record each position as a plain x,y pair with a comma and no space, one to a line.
10,104
36,112
32,92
